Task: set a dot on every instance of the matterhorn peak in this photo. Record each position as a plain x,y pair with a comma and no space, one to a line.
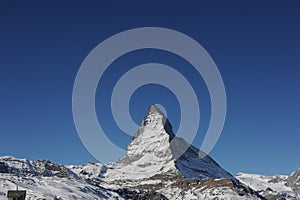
154,109
156,120
155,149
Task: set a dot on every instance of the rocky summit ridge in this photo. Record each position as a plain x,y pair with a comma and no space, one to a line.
155,149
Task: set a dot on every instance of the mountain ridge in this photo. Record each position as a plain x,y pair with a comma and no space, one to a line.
157,165
155,143
46,180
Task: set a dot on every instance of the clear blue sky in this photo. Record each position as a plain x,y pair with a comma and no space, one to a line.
256,47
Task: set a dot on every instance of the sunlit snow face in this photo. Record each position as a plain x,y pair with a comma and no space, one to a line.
154,121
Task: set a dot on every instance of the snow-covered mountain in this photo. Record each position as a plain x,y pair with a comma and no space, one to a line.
157,165
274,187
157,160
156,150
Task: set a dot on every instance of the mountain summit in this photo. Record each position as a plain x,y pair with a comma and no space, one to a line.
155,149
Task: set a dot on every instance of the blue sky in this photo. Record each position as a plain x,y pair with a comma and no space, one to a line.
255,45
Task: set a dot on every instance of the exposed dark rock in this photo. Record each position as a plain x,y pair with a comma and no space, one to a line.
293,181
4,168
140,194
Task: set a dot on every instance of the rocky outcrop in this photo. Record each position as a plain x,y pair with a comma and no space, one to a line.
293,181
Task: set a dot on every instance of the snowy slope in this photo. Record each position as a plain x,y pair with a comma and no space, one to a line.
46,180
271,187
53,187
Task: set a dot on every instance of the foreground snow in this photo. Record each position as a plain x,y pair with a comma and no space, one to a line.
53,188
40,182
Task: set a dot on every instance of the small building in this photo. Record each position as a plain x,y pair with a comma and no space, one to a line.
16,194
